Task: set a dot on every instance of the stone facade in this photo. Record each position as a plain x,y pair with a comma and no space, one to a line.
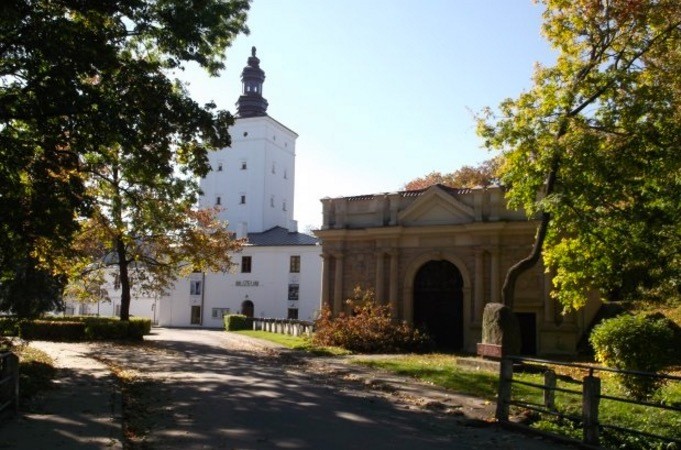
383,241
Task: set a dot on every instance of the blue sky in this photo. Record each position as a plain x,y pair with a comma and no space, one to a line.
381,91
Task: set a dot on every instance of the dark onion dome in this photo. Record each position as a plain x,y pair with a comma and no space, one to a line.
251,102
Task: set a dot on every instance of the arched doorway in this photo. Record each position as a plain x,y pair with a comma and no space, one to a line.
438,303
247,308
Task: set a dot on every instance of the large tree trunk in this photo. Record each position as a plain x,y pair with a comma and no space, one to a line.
525,264
121,251
125,278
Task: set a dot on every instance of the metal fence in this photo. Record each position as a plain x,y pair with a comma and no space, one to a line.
291,327
9,381
590,394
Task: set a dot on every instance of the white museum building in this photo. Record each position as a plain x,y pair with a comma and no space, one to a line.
278,272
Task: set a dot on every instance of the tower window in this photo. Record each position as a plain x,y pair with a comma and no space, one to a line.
294,264
272,201
195,287
274,168
283,206
246,264
242,199
219,167
285,175
218,200
244,166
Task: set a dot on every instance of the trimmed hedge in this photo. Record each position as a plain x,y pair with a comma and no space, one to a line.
84,328
48,330
235,322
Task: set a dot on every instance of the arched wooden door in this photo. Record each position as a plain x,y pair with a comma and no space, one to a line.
438,303
247,308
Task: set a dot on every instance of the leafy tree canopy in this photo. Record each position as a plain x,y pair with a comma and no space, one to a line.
78,79
483,174
593,149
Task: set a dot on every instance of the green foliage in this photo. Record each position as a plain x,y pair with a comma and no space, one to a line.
594,146
9,326
31,291
86,91
235,322
370,328
635,343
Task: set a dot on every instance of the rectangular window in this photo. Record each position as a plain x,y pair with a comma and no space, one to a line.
242,199
244,166
219,167
293,291
272,201
218,200
245,264
219,313
195,287
294,265
292,313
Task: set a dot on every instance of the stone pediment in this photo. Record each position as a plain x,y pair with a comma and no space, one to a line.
436,207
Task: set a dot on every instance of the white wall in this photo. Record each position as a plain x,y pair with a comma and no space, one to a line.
266,286
266,143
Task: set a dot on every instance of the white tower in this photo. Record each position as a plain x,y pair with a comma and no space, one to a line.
253,180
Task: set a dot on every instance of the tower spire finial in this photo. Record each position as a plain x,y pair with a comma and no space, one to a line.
251,102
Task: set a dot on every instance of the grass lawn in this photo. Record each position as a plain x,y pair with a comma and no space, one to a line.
36,371
442,370
294,342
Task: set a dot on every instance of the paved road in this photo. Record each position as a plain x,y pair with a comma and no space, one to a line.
219,390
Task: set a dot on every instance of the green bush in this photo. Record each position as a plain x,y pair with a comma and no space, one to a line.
636,343
236,322
113,329
138,328
9,326
49,330
106,330
369,329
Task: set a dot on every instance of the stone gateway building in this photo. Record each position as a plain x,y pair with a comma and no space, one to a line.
437,256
